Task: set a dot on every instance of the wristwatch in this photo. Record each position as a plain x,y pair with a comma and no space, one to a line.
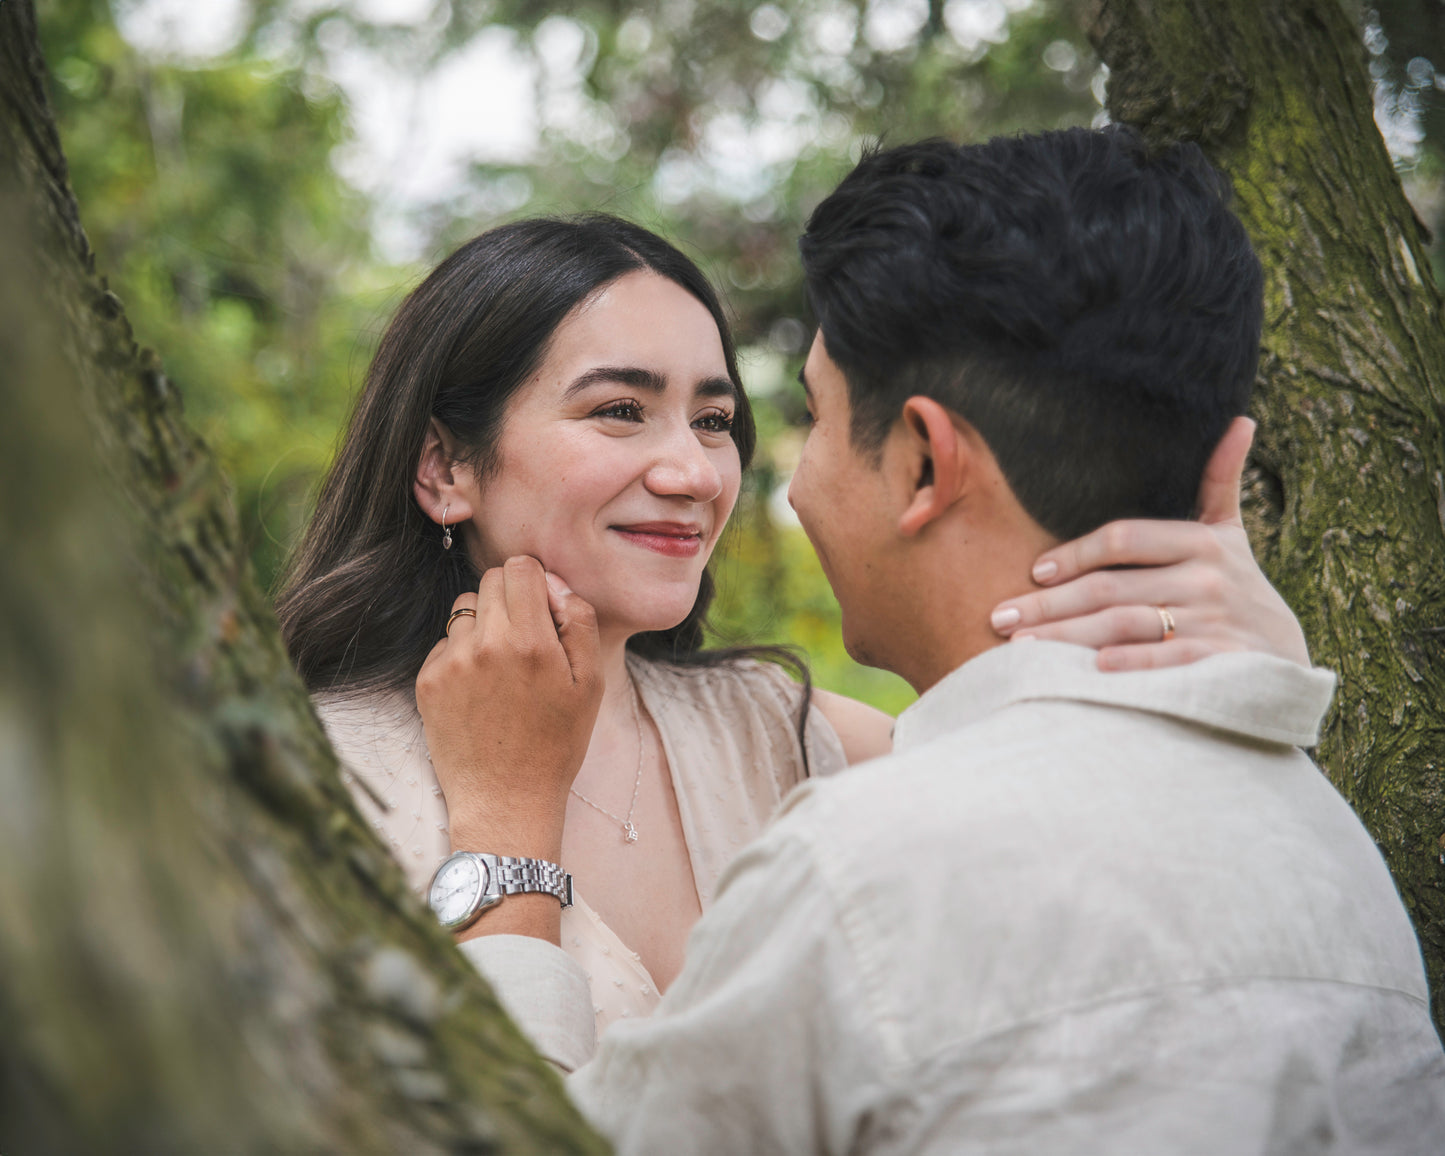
469,882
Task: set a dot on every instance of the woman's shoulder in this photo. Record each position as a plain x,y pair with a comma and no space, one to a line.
367,716
865,731
379,740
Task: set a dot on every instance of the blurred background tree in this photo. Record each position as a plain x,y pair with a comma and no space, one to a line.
264,179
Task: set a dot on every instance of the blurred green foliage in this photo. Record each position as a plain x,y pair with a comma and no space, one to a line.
214,194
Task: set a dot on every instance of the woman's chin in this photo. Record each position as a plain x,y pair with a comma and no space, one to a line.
629,618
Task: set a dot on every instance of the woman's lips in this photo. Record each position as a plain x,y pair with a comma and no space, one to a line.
673,539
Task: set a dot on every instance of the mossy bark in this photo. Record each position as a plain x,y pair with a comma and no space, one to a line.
202,946
1348,473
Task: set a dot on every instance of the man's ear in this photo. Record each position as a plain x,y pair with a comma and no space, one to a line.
938,459
441,485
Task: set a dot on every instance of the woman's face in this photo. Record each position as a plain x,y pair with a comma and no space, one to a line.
616,468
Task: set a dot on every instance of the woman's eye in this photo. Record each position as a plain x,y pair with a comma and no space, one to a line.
718,421
622,410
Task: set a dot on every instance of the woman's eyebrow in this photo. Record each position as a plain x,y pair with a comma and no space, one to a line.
715,387
647,380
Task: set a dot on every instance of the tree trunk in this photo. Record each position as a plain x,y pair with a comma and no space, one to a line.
1348,474
202,946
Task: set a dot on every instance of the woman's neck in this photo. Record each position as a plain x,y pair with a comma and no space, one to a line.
617,689
612,754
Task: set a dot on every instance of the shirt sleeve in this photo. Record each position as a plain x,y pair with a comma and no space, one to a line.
545,992
763,1044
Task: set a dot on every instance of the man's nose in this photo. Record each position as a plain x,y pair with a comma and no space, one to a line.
684,468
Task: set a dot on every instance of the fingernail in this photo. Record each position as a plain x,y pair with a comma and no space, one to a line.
1045,570
1025,637
1004,617
557,586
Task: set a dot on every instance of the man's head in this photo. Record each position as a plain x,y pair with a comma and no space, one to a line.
1085,308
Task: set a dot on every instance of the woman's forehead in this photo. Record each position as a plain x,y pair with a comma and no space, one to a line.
641,321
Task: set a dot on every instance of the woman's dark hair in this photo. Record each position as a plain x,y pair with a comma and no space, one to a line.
367,592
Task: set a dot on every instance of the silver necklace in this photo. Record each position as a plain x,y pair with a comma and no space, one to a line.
628,830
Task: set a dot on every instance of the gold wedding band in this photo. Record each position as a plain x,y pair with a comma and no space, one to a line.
459,612
1166,620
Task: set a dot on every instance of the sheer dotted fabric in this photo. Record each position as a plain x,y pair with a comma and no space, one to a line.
730,739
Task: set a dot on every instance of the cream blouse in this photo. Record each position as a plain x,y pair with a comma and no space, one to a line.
729,734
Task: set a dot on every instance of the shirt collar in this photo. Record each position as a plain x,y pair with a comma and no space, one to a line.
1251,695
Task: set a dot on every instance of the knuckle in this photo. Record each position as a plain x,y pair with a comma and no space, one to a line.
1212,586
1102,588
1045,608
1151,658
1120,622
1210,546
1118,538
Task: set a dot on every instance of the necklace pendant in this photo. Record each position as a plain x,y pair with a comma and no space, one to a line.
630,830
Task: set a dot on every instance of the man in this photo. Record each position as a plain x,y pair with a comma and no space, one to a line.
1072,912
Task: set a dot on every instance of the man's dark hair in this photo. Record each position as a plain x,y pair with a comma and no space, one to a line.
1088,303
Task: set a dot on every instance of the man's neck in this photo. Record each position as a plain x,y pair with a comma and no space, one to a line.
958,589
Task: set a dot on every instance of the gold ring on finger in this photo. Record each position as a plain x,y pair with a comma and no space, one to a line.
459,612
1166,620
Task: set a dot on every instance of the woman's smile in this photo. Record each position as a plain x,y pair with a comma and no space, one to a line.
674,539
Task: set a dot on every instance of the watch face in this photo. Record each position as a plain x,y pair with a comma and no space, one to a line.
456,889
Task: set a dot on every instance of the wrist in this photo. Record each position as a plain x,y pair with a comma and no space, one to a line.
523,834
481,893
537,916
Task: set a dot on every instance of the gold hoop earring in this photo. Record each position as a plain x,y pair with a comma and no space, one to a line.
446,530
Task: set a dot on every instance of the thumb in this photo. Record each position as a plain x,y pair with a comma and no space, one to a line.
576,623
1219,488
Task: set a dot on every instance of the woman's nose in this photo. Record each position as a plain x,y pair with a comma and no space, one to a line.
683,468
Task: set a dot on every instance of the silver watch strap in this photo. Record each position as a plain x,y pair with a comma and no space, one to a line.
513,876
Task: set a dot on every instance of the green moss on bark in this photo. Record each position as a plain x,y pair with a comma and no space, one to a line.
1350,456
204,948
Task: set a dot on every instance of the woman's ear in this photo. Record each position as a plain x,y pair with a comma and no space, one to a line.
442,485
938,460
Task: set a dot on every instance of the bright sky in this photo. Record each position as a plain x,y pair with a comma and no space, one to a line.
415,135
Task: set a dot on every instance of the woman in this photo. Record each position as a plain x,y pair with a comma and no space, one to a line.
568,390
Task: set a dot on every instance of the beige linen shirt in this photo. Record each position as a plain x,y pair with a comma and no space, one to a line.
1073,912
729,734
